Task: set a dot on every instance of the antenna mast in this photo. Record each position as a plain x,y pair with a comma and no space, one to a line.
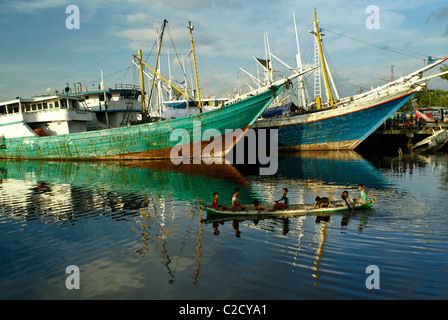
299,66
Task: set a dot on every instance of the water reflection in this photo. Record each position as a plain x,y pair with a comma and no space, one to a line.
151,211
166,198
422,175
312,173
198,247
149,236
156,193
56,190
295,227
321,239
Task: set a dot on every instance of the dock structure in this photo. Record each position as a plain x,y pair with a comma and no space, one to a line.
395,136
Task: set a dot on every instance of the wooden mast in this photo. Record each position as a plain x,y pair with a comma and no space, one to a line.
190,26
322,61
142,84
164,79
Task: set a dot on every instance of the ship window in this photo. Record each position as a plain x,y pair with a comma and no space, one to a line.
51,105
13,108
34,107
45,105
128,95
2,110
56,104
39,106
63,104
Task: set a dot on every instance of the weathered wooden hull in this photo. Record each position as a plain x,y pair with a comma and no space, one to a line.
145,141
432,143
338,128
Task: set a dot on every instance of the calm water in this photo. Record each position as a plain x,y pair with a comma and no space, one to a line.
136,231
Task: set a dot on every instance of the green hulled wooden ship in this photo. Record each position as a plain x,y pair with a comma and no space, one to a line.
55,127
26,132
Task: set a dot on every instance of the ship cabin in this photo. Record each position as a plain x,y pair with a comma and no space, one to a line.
43,116
113,107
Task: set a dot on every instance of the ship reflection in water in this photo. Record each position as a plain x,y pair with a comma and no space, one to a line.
136,230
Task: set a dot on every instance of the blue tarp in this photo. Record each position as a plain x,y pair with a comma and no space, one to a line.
181,104
177,105
278,111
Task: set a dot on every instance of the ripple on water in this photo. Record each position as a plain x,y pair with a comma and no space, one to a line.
135,233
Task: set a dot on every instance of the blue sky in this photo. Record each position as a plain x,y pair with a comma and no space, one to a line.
39,52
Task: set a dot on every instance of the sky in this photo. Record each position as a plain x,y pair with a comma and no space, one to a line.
38,51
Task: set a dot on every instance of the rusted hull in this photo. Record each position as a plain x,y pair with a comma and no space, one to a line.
147,141
338,128
194,149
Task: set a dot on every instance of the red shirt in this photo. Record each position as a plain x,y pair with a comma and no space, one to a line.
214,203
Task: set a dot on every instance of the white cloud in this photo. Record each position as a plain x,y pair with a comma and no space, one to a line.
138,36
33,6
138,18
135,34
192,5
229,32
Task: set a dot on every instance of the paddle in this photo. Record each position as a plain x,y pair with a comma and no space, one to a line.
345,199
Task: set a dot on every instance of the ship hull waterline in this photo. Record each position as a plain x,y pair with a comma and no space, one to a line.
146,141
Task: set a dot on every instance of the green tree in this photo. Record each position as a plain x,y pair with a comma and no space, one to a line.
425,99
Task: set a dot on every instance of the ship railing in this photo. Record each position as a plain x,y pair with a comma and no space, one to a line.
127,86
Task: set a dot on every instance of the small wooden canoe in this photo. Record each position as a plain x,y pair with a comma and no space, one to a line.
250,210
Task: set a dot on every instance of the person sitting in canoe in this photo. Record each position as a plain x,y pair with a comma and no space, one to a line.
363,193
258,206
282,206
235,201
348,201
215,201
323,202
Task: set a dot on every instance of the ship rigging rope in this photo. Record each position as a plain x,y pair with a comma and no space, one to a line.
383,47
218,75
175,51
338,81
93,65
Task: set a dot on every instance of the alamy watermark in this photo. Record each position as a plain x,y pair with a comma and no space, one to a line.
73,280
373,280
211,145
373,20
73,21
